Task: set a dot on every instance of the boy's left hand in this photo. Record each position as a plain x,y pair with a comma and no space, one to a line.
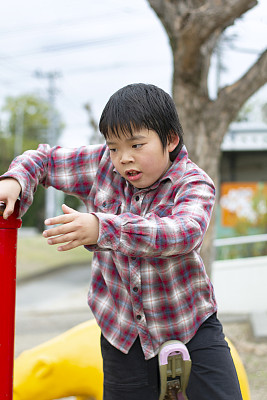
76,229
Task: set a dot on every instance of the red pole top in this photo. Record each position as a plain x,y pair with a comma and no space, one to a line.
12,221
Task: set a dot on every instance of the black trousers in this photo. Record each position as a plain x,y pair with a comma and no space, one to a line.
213,375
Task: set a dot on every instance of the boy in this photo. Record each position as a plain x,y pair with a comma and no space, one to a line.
148,209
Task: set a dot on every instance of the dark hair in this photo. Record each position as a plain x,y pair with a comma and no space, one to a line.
138,106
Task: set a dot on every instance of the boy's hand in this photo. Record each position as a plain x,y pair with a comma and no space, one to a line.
76,229
9,192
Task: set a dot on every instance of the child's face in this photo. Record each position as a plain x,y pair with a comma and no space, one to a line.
140,158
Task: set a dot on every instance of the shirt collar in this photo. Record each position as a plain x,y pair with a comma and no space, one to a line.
176,170
178,167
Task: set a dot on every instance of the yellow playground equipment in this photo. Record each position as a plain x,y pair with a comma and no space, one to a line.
71,365
68,365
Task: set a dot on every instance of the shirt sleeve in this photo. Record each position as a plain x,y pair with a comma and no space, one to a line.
70,170
154,236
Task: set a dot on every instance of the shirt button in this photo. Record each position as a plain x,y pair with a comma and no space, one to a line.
138,317
137,198
135,289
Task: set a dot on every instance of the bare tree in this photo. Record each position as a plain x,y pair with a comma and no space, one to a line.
194,28
96,137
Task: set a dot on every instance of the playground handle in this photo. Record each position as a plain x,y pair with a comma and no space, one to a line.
8,252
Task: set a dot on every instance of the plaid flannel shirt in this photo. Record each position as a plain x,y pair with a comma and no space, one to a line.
148,278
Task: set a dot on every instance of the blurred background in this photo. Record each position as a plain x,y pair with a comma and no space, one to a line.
60,61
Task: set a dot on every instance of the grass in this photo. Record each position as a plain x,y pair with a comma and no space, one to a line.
35,256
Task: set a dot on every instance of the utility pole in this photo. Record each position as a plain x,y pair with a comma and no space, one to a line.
53,197
52,91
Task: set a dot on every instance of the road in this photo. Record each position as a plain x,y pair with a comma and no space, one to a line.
48,306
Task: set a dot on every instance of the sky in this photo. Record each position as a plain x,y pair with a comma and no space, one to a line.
96,47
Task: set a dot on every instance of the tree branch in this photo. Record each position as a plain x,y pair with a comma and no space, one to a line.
231,98
211,16
198,19
193,27
203,23
171,15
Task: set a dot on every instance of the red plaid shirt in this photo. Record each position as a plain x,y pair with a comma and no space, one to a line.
148,278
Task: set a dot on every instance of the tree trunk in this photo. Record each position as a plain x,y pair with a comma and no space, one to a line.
194,27
201,137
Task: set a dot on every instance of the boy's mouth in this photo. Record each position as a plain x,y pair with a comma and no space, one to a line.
133,175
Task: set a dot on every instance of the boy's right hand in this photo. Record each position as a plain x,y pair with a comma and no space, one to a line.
9,192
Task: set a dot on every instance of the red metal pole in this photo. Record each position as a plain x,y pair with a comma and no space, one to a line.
8,250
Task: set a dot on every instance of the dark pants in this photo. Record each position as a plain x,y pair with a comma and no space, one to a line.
213,376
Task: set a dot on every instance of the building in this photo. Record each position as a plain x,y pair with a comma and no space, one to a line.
243,188
244,153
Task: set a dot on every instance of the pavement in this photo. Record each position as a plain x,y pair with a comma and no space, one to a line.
50,304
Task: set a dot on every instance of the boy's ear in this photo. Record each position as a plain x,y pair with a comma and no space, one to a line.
173,143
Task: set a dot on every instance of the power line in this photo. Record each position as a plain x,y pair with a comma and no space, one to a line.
47,25
67,22
57,24
80,44
107,67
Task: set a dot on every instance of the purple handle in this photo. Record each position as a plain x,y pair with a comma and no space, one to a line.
171,349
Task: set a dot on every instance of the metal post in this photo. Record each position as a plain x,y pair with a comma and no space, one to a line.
51,195
8,250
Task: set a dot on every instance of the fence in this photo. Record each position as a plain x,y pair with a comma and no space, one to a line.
240,284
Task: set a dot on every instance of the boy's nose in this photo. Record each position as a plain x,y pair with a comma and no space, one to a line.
126,158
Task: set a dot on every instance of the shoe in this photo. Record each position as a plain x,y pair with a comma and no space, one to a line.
174,368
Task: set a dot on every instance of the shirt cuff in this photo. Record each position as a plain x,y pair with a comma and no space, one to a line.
109,231
23,198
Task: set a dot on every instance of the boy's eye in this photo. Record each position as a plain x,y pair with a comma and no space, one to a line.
137,146
112,150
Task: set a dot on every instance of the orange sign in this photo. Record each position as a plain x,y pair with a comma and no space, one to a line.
242,201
